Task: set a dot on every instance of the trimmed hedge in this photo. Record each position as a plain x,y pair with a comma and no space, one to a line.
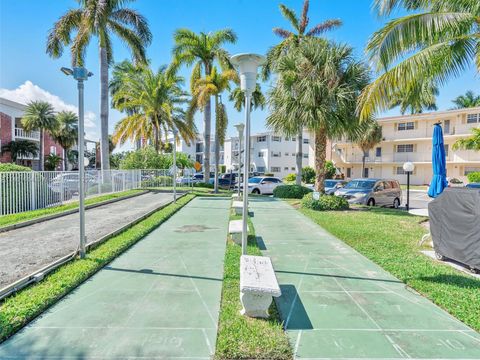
325,202
6,167
291,191
474,177
203,185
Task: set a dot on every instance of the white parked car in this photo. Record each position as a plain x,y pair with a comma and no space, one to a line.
454,182
263,184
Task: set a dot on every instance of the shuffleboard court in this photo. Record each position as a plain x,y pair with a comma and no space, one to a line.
337,304
159,300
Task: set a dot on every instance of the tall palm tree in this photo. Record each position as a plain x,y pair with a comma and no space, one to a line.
470,143
102,19
327,82
157,98
214,85
466,101
66,134
202,50
416,98
39,115
370,136
290,40
438,41
20,148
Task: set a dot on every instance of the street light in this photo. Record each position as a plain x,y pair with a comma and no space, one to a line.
175,132
408,167
247,65
80,74
240,127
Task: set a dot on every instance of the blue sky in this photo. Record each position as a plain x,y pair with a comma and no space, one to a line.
24,26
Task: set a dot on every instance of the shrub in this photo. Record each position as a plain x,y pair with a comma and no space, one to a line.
474,177
325,202
13,167
158,181
290,177
203,185
290,191
330,170
308,175
149,158
268,174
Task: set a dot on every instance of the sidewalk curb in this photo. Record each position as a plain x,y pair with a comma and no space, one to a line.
66,212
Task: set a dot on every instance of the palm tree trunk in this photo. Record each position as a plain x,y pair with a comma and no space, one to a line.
40,153
363,164
299,157
104,148
157,136
65,161
320,157
207,114
217,148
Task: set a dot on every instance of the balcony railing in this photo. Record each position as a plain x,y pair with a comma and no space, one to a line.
29,135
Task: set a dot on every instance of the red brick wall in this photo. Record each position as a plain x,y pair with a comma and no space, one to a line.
46,146
5,135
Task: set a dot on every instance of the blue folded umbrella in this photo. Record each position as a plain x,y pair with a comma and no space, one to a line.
439,180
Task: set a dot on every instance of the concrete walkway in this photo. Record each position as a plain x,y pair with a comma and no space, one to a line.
337,304
25,250
158,300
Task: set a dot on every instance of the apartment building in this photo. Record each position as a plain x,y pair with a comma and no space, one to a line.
11,129
196,150
269,153
409,138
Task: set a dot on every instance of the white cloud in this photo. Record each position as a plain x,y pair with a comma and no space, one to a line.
29,92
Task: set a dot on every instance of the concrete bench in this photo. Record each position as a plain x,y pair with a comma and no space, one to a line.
236,197
237,207
235,229
258,284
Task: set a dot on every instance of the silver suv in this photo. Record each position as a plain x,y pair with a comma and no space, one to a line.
371,192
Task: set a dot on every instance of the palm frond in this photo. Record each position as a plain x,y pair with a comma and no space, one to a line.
324,27
60,35
136,20
134,41
284,34
290,15
304,18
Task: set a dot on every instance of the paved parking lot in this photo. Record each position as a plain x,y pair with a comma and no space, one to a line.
418,199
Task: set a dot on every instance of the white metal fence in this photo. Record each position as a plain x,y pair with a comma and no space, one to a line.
24,191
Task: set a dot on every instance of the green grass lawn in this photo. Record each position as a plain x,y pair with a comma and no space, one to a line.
16,311
241,337
390,238
34,214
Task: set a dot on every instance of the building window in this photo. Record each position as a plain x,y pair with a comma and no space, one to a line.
262,138
293,154
275,169
378,152
276,154
286,154
261,169
294,139
469,170
305,156
306,141
286,168
293,168
53,150
473,118
276,138
349,172
446,149
199,147
406,126
199,158
260,154
399,170
405,148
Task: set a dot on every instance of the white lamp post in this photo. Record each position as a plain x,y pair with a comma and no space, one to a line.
80,74
175,132
247,65
240,127
408,167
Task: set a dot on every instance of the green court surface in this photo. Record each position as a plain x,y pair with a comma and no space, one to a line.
158,300
337,304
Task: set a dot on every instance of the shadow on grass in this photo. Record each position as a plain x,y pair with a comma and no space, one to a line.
454,280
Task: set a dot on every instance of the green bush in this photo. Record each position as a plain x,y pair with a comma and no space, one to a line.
325,202
13,167
290,177
330,170
158,181
149,158
203,185
269,174
474,177
291,191
308,175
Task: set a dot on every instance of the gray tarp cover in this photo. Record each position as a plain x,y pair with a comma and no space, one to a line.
455,225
